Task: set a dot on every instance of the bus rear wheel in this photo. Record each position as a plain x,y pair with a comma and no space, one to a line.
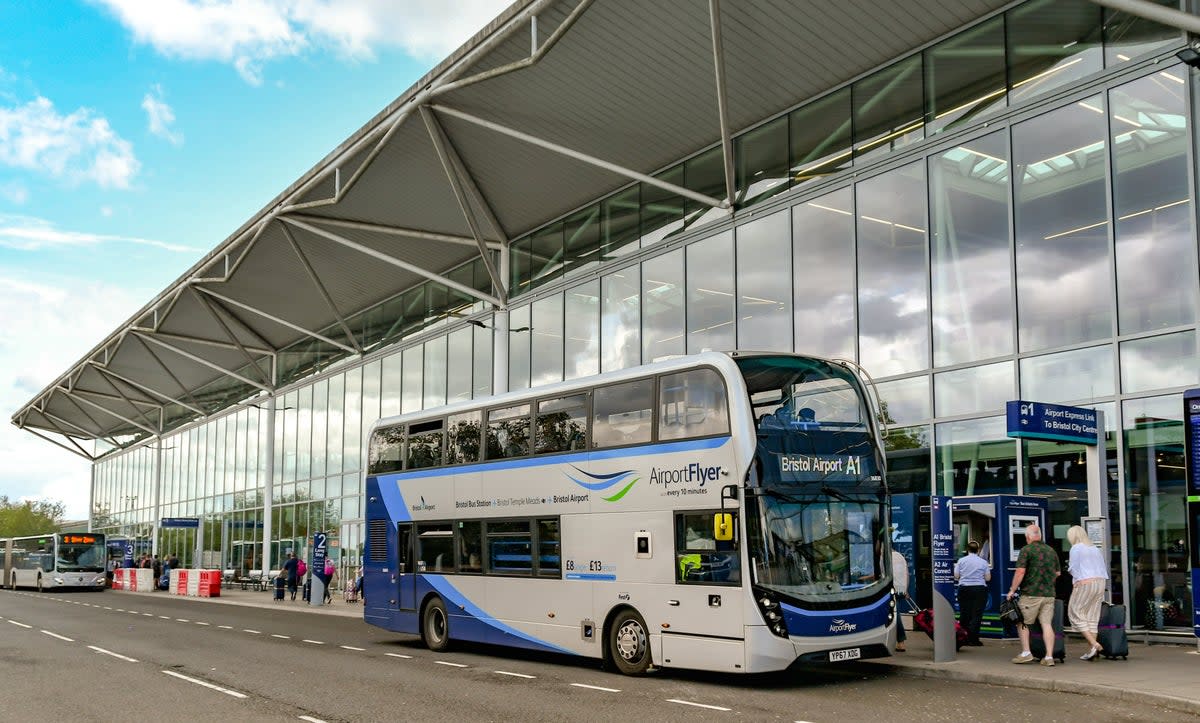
435,626
629,643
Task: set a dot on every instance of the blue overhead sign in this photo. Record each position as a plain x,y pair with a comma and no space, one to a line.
180,522
1057,422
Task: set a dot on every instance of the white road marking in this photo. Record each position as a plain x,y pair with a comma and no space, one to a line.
310,719
149,615
164,617
284,637
14,622
107,607
515,675
698,705
398,655
225,627
115,655
351,647
200,623
452,665
314,642
252,632
120,610
596,687
217,688
60,637
182,620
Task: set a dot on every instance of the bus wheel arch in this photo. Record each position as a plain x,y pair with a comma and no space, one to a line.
39,584
435,624
627,641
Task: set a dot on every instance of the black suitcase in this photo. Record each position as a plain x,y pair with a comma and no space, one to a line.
1037,646
307,594
279,587
1114,642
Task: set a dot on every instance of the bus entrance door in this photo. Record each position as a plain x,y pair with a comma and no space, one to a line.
406,573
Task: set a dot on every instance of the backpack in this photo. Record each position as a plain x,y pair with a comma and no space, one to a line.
301,568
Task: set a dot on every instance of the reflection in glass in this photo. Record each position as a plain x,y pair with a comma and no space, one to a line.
908,464
620,227
820,137
458,365
1051,43
662,306
414,366
904,401
389,401
620,320
892,305
546,365
975,457
761,162
970,268
1069,375
337,408
888,111
964,77
662,211
352,434
1064,292
561,425
435,373
974,389
582,238
710,298
823,275
1156,281
508,432
1128,36
1158,362
581,343
705,174
1155,490
764,300
546,256
518,349
482,362
623,413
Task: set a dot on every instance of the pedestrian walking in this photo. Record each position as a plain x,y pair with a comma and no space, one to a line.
1037,569
291,572
900,579
972,574
1090,577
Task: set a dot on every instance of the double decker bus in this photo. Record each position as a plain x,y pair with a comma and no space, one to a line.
719,511
55,560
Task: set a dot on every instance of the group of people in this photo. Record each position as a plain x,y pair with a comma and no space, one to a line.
1037,570
295,570
159,568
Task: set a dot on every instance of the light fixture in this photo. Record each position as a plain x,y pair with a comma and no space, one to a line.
1191,54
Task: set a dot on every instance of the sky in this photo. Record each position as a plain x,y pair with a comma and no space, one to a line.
136,135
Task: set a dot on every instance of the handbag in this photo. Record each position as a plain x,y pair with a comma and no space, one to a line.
1009,612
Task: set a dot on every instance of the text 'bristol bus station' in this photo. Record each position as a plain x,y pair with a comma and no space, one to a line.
646,332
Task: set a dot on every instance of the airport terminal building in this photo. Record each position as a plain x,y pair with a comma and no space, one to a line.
978,201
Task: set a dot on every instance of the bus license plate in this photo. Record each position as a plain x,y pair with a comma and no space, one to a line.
847,654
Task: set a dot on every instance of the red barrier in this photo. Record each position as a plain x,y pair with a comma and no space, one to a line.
181,588
210,583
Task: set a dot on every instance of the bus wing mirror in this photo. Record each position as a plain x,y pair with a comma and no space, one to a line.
722,527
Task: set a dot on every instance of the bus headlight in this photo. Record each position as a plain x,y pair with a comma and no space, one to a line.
58,580
771,613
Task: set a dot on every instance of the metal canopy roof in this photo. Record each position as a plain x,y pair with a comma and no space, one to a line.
553,105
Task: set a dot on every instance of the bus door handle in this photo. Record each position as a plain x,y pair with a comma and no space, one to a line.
673,603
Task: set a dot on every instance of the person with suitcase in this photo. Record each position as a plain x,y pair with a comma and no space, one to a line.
1037,569
1090,575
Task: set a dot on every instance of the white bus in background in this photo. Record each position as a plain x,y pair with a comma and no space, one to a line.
54,561
720,511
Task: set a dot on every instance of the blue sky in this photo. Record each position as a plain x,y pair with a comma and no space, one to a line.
136,135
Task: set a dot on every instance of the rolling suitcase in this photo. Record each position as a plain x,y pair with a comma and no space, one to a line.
923,621
1114,642
1037,646
279,587
307,593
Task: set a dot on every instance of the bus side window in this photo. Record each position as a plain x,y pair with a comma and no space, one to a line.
623,413
701,559
692,404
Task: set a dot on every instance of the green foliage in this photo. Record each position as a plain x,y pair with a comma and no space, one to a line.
29,517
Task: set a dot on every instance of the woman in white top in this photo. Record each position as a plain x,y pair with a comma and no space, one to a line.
1089,572
900,578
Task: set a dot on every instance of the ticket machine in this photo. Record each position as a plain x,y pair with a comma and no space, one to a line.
997,523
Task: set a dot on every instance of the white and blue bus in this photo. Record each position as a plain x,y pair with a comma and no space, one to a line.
54,561
719,511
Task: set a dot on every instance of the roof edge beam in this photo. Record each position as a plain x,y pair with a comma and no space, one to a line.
93,435
277,320
447,155
583,157
167,370
198,340
51,440
108,411
1158,13
533,58
394,230
146,389
119,397
202,361
209,307
467,290
312,275
714,11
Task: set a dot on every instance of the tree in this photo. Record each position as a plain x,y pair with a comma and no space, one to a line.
29,517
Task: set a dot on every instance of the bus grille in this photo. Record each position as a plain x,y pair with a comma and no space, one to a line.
377,533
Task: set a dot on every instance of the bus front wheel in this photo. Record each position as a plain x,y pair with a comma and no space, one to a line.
435,625
629,643
39,585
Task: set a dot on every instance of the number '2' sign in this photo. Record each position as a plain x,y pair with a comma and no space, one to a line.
319,549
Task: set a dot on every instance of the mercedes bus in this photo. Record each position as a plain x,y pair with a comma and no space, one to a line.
54,561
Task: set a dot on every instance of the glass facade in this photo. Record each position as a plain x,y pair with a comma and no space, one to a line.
1007,213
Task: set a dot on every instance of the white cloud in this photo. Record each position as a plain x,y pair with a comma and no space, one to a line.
78,147
24,233
49,325
249,33
14,192
160,116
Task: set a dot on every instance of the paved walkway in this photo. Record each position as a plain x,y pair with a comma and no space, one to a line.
1163,675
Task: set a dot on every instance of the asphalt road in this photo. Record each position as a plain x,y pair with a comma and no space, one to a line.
109,656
